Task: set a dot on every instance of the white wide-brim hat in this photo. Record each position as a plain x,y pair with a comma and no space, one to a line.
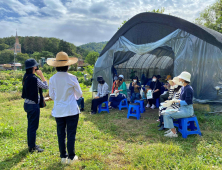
176,81
121,76
62,59
185,76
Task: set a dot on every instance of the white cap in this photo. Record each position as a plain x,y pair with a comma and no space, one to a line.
121,76
185,76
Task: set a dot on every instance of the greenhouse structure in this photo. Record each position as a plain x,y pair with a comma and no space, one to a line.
159,44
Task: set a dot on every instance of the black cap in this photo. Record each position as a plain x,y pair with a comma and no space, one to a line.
31,63
99,78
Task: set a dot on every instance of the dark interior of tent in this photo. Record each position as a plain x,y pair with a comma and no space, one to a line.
156,62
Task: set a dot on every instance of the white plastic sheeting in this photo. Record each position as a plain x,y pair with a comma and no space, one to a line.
201,59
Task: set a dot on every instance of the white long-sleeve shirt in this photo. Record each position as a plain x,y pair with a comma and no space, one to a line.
102,90
64,89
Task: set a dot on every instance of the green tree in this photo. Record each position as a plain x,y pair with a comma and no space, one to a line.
3,46
21,58
66,47
161,11
6,56
92,57
211,17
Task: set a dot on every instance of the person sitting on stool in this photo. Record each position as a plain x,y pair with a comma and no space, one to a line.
80,103
102,94
135,88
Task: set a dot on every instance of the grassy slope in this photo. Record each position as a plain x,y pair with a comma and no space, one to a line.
108,141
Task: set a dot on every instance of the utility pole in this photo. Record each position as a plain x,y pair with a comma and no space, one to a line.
14,60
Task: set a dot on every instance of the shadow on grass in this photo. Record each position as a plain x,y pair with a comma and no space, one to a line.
13,161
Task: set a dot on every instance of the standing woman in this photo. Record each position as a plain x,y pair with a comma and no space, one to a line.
30,92
186,105
155,85
64,89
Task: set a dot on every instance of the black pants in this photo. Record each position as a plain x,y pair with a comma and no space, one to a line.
96,102
33,113
153,100
68,123
164,97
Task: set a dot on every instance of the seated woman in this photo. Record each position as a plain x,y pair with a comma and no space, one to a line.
155,86
114,101
185,102
176,90
102,94
135,88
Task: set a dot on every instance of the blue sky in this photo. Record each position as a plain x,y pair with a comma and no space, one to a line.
83,21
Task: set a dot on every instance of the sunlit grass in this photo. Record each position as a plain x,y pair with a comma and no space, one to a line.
107,141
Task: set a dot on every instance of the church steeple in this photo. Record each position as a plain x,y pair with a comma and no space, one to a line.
16,38
17,47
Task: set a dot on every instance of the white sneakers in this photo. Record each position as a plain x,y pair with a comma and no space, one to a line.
168,131
153,106
63,160
148,105
69,161
72,161
171,135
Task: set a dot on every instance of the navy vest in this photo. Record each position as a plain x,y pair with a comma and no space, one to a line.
30,89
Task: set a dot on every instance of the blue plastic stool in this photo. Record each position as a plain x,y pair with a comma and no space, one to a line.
134,110
106,108
157,102
142,106
184,124
123,104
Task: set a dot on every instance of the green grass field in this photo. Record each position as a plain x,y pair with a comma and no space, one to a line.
107,141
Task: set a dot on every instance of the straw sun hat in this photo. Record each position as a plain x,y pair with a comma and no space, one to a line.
62,59
176,81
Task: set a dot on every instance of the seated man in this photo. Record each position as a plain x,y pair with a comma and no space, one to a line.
135,88
102,94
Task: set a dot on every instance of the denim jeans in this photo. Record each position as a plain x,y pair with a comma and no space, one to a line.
80,102
134,96
185,111
115,101
33,114
68,124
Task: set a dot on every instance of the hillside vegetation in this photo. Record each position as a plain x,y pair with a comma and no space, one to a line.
97,47
37,47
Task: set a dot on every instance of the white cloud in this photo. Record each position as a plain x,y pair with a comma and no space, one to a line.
20,8
83,21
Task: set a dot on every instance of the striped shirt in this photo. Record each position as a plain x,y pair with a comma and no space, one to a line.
171,92
40,84
174,105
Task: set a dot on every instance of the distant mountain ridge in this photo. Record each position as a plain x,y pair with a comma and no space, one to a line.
31,44
93,46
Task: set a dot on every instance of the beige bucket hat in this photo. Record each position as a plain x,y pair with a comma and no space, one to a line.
62,59
176,81
185,76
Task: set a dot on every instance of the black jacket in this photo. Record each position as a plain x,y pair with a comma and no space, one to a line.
30,89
